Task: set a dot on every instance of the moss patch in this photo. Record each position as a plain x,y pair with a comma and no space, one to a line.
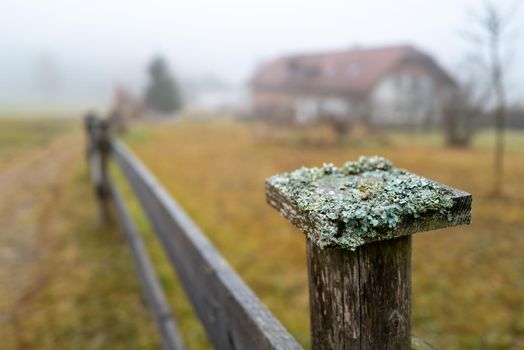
360,201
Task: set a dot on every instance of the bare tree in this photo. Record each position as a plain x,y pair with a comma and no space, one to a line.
491,35
461,112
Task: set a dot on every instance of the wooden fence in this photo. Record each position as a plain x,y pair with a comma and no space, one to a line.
359,300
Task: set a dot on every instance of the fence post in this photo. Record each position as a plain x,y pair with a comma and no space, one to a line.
103,144
361,299
358,220
97,152
89,127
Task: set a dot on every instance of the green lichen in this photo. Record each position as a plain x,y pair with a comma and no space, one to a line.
360,201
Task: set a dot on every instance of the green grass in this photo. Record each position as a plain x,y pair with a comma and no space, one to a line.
482,140
486,139
19,135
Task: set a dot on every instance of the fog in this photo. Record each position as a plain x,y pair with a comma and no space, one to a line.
72,53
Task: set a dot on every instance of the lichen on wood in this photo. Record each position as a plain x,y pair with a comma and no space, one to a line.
358,202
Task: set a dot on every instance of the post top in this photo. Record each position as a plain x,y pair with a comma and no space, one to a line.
364,201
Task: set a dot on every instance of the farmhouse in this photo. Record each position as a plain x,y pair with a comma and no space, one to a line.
398,85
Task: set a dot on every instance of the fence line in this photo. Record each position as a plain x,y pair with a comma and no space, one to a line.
359,299
234,318
154,295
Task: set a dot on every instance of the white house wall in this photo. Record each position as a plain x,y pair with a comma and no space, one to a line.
308,109
403,98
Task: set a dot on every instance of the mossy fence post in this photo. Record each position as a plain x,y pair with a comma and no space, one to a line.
98,149
360,276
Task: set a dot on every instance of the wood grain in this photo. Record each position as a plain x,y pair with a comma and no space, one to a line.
361,299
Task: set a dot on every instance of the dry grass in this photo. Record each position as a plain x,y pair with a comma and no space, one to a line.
84,293
468,285
70,283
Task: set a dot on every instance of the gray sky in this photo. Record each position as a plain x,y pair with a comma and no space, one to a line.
96,44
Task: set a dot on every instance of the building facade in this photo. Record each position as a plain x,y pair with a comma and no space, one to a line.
394,86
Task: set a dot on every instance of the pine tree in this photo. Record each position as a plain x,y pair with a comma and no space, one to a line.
162,93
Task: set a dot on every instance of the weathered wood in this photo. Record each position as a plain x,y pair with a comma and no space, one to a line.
99,168
231,313
92,154
361,299
154,295
334,298
360,289
307,223
385,294
89,125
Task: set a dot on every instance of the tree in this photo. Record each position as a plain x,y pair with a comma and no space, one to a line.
466,107
162,93
461,112
490,34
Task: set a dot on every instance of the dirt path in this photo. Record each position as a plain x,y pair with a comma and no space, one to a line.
66,282
28,189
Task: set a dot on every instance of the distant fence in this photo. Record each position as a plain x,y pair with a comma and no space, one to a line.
359,300
232,315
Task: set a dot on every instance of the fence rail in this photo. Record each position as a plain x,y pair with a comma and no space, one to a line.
154,295
234,318
359,299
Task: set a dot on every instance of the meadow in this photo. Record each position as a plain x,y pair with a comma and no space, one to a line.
82,292
66,282
21,135
467,281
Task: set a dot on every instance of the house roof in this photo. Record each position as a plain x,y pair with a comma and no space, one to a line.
351,72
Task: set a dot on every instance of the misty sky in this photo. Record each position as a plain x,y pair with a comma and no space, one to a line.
93,45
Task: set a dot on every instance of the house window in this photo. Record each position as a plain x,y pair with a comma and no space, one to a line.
353,70
301,69
397,82
330,71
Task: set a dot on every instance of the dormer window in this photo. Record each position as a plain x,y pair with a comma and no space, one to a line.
299,69
293,67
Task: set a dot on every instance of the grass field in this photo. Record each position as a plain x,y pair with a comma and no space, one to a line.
77,284
19,135
467,282
65,281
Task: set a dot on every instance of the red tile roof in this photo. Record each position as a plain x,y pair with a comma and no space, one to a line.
352,72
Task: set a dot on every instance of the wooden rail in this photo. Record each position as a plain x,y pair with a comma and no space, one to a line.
360,298
154,295
234,318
